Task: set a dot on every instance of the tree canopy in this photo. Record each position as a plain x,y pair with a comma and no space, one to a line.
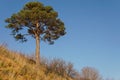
38,20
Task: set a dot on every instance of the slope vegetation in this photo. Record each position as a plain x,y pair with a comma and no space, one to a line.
16,66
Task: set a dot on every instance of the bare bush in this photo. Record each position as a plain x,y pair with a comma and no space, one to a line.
89,73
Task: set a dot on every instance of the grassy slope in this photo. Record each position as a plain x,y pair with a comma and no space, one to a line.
16,66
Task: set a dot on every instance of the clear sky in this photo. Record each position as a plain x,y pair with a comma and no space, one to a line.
92,39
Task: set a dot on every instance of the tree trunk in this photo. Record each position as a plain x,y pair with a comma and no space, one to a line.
37,51
37,56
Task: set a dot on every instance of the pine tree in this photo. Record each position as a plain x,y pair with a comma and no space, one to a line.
39,21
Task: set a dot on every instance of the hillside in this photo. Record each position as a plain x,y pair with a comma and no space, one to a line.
16,66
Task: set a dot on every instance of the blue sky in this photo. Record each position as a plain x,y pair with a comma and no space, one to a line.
92,39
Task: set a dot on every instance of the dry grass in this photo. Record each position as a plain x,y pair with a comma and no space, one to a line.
16,66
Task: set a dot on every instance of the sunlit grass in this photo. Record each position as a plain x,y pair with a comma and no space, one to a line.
16,66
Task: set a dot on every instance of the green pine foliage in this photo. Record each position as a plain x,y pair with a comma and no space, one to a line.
38,20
